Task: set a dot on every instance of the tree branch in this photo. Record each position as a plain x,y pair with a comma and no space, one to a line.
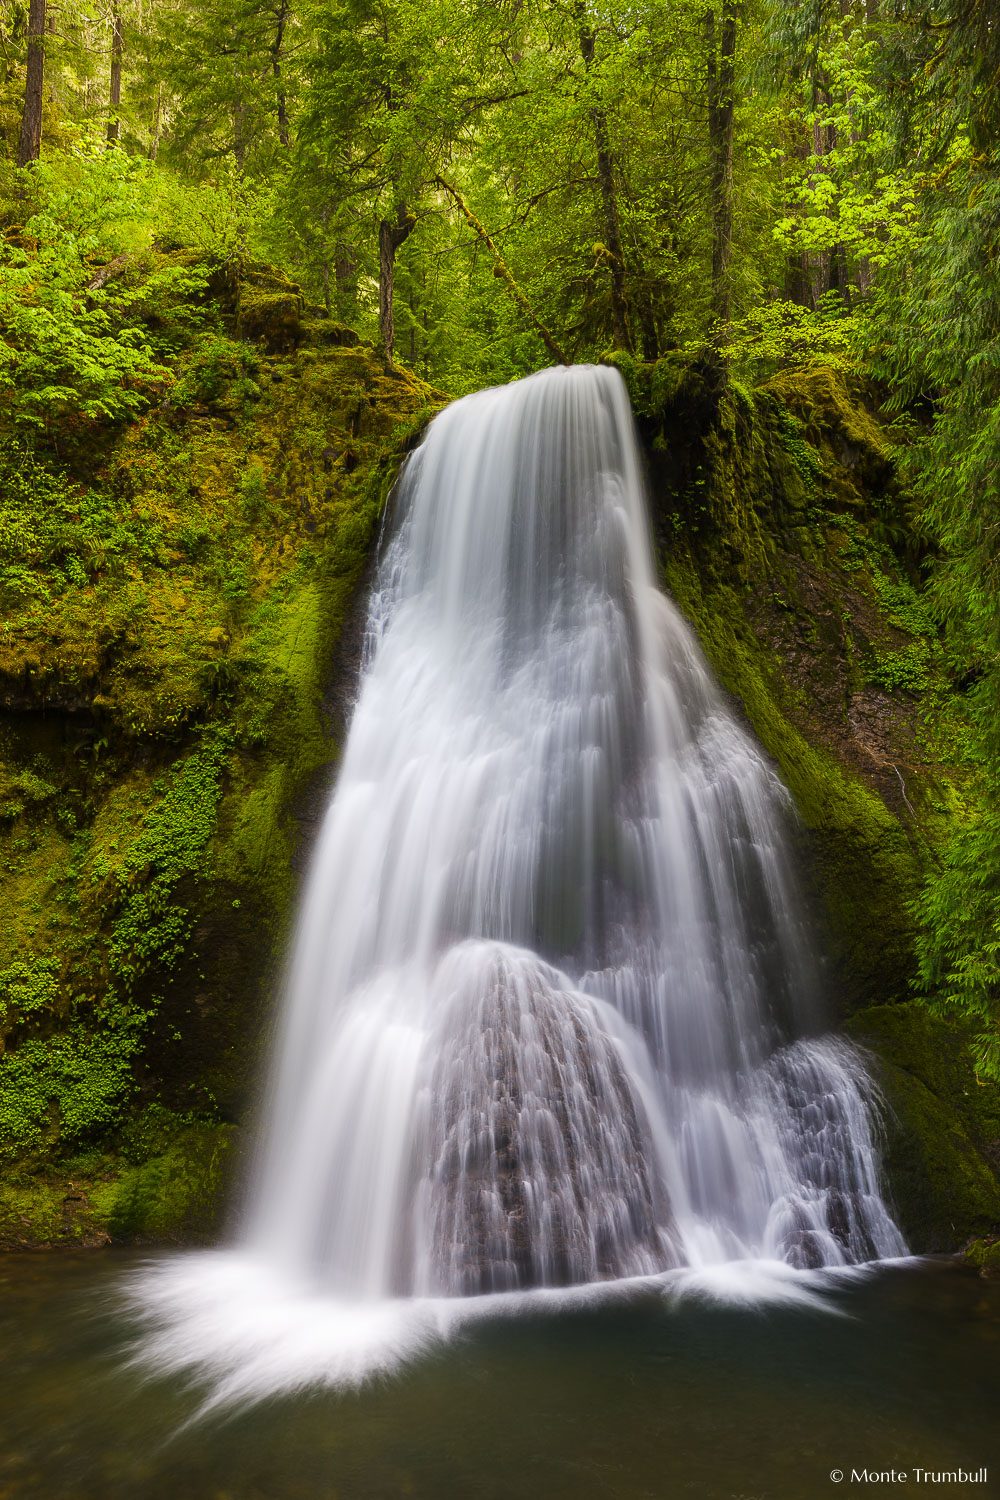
502,272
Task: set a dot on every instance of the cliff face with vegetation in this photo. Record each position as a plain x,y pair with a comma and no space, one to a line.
174,589
785,538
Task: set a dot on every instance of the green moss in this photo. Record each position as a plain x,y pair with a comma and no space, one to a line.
169,1179
836,415
269,308
985,1256
273,317
179,1193
942,1127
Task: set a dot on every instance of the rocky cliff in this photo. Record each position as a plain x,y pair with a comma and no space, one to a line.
173,660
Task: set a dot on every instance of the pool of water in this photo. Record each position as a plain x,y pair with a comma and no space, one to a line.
647,1400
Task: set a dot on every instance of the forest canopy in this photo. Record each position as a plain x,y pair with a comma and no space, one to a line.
481,186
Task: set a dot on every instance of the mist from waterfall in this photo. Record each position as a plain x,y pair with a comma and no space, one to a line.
551,1018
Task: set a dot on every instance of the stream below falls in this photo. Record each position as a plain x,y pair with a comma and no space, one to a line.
644,1400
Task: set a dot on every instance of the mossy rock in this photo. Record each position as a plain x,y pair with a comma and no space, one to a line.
271,317
175,1189
942,1125
182,1194
985,1256
835,410
323,330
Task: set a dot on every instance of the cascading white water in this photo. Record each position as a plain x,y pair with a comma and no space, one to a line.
550,1018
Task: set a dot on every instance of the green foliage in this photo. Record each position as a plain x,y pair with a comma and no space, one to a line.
904,607
252,492
900,671
214,362
27,988
802,453
151,928
153,1132
68,351
779,334
56,536
227,113
21,790
70,1085
959,913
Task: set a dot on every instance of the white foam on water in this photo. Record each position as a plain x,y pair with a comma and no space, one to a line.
241,1333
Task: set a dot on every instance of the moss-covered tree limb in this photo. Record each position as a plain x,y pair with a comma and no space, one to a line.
504,274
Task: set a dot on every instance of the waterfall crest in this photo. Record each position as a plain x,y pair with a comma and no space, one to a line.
550,1019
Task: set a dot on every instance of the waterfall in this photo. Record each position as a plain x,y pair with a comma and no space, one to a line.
551,1015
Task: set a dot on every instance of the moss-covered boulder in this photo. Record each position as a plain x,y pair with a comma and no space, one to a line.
173,598
269,309
985,1256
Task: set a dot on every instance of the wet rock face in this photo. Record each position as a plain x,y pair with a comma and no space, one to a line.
541,1152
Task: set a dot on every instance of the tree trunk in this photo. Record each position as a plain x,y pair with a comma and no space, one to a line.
609,199
721,91
50,27
840,280
239,117
154,144
391,234
798,281
117,48
29,143
798,275
650,336
279,35
239,143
